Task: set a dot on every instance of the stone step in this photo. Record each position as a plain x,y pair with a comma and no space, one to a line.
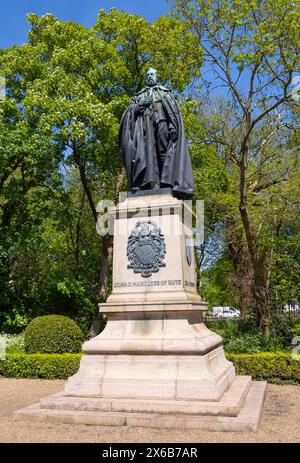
229,405
246,420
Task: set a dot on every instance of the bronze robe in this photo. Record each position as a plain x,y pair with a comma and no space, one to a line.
139,144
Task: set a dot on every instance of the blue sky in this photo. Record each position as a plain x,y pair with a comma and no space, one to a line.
14,27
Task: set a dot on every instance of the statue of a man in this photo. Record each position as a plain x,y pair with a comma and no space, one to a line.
152,141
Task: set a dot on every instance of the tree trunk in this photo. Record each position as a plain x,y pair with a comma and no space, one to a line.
81,166
105,266
260,261
261,294
87,191
243,272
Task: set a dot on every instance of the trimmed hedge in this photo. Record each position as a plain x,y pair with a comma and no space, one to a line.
49,366
273,367
53,334
278,367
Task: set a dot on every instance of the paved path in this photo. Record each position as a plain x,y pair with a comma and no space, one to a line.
280,421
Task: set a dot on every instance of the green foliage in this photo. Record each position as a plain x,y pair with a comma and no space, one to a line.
216,285
239,336
286,275
272,367
14,343
295,330
66,90
246,344
13,322
53,334
240,327
281,328
164,44
72,293
48,366
243,336
251,50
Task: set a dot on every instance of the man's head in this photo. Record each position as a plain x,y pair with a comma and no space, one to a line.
151,77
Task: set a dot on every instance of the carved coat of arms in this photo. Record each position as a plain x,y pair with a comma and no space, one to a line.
146,248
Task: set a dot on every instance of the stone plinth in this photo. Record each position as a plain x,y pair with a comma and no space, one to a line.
174,280
155,364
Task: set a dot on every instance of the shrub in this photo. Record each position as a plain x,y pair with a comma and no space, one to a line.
53,334
280,328
295,330
233,327
247,325
49,366
246,344
13,342
216,324
252,344
276,367
273,344
243,336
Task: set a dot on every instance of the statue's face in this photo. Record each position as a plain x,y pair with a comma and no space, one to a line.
151,77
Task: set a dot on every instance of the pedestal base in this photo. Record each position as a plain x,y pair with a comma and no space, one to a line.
165,370
155,364
239,410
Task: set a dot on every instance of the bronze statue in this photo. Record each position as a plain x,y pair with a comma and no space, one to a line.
152,141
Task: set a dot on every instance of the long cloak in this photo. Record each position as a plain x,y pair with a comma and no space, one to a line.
138,150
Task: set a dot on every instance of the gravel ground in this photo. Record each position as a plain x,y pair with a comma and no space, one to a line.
280,421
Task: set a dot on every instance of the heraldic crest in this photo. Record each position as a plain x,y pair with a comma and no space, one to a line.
146,248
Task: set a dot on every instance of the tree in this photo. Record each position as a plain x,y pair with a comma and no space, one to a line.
29,188
252,49
217,287
70,85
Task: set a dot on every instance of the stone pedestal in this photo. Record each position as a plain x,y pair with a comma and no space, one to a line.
156,363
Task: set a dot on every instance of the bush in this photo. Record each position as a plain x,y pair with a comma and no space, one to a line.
233,327
243,336
49,366
252,344
295,330
246,344
276,367
280,328
53,334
